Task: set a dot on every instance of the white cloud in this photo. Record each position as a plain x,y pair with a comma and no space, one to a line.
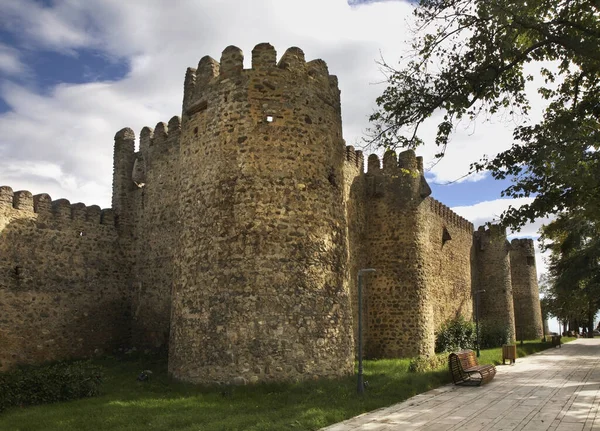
66,137
10,62
62,27
72,126
484,137
489,211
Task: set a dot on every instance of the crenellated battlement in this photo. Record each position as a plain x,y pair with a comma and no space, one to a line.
491,230
373,164
153,144
523,245
403,173
404,163
24,203
160,138
264,56
492,233
156,138
355,157
124,137
449,216
229,70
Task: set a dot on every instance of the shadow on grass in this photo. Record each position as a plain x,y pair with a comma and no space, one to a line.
161,403
164,404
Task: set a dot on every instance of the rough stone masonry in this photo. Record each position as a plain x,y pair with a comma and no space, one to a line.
235,236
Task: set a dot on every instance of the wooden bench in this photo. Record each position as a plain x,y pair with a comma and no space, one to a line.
466,371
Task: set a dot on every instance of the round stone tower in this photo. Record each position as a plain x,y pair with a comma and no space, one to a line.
399,316
493,284
259,284
526,294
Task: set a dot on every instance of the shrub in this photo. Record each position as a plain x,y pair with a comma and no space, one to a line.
455,334
493,335
60,381
422,364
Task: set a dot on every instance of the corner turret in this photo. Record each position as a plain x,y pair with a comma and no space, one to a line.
401,178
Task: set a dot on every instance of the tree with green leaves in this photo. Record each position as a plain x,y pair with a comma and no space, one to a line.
573,289
547,299
469,60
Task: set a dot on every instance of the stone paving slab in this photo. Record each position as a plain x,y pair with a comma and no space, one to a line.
556,390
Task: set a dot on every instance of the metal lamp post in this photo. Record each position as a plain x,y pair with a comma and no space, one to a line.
360,384
477,319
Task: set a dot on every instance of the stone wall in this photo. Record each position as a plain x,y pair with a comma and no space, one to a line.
492,279
447,240
526,294
62,289
261,265
236,239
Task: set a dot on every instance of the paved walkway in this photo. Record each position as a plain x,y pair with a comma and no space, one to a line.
557,389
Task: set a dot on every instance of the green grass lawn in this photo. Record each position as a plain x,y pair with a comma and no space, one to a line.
162,404
494,356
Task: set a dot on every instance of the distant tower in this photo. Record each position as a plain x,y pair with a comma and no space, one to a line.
526,295
493,276
259,280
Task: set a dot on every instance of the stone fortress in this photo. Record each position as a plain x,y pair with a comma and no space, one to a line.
235,236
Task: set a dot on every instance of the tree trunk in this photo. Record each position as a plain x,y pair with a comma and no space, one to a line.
591,313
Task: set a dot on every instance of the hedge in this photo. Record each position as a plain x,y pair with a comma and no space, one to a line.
60,381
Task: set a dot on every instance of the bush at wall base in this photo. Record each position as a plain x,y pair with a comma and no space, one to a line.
493,335
455,334
60,381
422,364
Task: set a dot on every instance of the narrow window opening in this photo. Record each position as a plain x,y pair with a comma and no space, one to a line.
530,260
198,107
331,178
195,131
445,236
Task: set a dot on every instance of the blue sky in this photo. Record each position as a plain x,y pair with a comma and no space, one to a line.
73,72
